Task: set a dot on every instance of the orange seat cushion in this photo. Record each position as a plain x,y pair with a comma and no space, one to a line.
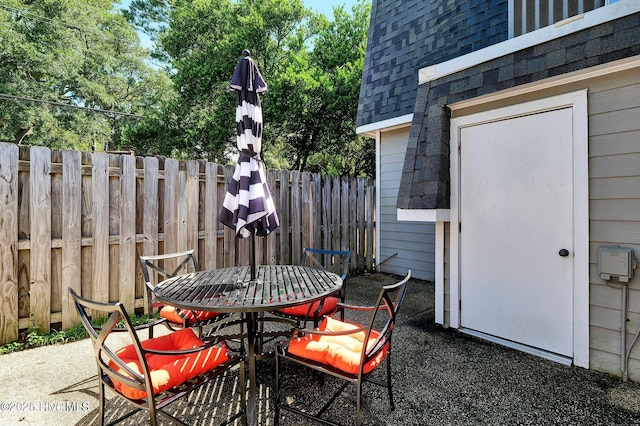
178,316
329,307
343,352
168,371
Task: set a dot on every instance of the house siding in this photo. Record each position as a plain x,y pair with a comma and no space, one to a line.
447,273
614,208
388,87
403,245
406,36
614,213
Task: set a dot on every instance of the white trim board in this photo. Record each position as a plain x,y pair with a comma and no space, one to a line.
518,346
370,130
424,215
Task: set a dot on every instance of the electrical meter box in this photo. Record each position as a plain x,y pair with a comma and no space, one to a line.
618,262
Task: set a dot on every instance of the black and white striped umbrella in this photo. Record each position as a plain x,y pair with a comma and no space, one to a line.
248,207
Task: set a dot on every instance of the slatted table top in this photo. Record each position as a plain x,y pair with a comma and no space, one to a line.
232,290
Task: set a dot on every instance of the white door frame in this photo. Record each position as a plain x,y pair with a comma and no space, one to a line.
578,102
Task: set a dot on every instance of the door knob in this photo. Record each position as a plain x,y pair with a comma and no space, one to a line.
563,252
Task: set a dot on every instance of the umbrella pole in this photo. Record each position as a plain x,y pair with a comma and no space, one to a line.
252,256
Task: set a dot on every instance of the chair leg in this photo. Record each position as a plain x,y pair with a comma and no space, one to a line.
243,393
101,407
153,415
389,390
276,412
358,398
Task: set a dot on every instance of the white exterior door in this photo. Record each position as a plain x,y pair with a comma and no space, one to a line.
516,216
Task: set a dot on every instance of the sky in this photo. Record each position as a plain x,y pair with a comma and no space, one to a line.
323,6
326,6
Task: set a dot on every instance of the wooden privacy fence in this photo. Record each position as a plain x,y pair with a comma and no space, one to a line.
78,220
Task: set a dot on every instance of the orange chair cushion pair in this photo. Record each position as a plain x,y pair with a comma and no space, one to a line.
178,316
343,352
168,371
329,307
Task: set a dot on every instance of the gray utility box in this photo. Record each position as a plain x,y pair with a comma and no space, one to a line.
615,261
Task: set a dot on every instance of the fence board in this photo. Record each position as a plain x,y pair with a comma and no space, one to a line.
127,283
317,209
220,190
71,234
192,194
271,252
40,213
284,216
370,215
296,219
325,205
181,212
360,226
8,242
210,217
55,175
114,200
344,215
336,210
171,182
80,220
139,244
306,207
100,219
229,234
353,215
150,213
86,227
24,225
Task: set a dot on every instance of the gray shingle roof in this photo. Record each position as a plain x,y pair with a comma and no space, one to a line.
405,36
425,176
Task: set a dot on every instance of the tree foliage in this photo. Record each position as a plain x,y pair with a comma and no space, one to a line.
322,90
85,53
60,54
313,68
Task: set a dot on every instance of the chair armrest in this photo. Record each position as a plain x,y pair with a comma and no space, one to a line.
298,331
206,346
150,324
355,307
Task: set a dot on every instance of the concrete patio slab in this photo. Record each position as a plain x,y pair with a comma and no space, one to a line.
441,377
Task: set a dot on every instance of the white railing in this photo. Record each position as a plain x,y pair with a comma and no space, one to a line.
530,15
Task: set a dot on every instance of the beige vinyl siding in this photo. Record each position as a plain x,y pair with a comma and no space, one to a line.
447,272
614,212
412,241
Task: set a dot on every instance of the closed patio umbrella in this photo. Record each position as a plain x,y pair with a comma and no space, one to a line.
248,207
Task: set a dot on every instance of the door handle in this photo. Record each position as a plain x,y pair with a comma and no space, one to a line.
563,252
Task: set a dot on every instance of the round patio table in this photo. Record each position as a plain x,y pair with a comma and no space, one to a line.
233,290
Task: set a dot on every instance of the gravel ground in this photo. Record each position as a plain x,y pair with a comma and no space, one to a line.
441,377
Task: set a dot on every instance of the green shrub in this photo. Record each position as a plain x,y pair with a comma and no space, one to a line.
33,338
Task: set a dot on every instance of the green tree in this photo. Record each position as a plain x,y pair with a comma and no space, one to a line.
312,66
317,99
203,41
61,60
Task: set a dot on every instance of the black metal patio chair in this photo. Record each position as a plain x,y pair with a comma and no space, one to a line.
167,266
150,374
336,261
346,350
